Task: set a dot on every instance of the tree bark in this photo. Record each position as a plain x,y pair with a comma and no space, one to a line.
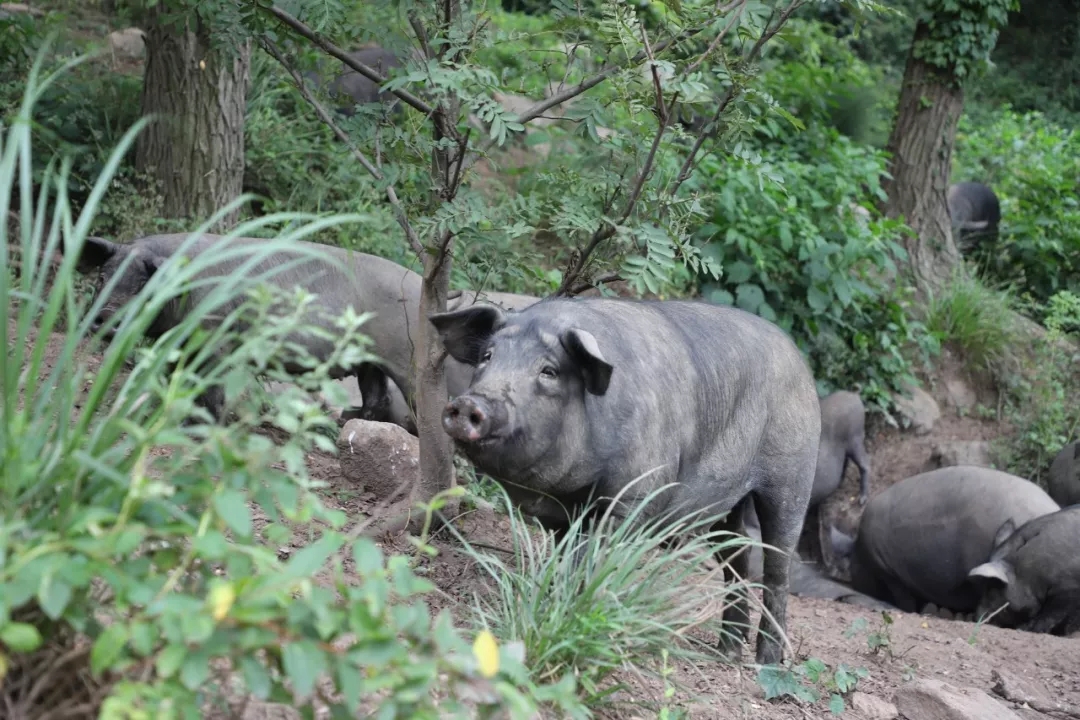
921,146
195,149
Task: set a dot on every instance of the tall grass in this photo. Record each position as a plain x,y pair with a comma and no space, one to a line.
611,594
979,320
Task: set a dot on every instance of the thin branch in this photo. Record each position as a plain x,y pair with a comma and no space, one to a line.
719,37
333,50
603,279
391,195
687,166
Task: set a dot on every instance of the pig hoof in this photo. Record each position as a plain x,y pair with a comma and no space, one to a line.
731,647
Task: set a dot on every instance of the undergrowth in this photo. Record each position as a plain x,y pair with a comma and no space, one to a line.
616,594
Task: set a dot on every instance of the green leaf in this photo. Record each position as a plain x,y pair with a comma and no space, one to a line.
817,300
20,637
308,561
232,506
54,594
168,662
303,662
749,297
367,557
836,704
739,272
350,683
143,636
255,677
108,647
194,671
212,546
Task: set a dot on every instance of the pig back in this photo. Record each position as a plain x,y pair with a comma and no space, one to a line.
926,532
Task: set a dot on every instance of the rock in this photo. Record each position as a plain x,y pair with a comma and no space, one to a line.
380,456
929,699
921,410
868,707
128,43
961,396
960,452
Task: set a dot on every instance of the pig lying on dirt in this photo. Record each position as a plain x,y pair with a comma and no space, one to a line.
918,540
1064,480
1036,572
586,395
843,421
367,283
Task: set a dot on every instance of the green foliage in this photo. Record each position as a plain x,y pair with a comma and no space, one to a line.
796,253
878,640
607,595
957,36
1032,165
130,521
1042,401
809,681
977,319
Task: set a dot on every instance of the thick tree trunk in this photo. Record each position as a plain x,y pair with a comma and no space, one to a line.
195,149
921,147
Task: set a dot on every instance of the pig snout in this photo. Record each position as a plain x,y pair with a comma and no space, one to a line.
468,418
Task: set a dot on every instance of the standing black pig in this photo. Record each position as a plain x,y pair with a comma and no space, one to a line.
843,437
1035,572
573,396
974,212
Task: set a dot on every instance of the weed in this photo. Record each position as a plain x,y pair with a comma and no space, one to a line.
809,681
618,595
977,319
877,640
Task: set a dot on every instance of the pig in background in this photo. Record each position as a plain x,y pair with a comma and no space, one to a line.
1063,481
572,397
918,540
974,211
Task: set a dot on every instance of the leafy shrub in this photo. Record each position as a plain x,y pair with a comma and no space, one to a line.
978,319
1042,408
794,253
1033,165
136,579
610,597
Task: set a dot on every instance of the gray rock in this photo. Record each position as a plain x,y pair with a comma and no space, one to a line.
929,699
961,395
869,707
921,410
129,43
949,453
379,456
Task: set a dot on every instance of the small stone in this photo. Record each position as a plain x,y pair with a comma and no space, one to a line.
380,456
929,699
129,43
921,410
869,707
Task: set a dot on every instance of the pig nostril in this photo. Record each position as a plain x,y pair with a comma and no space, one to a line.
454,412
476,417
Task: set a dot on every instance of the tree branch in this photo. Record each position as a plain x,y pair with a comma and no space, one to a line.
333,50
732,92
391,195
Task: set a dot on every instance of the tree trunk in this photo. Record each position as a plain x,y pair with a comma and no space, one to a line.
195,149
921,147
436,449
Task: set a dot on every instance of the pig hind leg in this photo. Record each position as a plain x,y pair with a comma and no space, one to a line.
736,562
372,381
1059,615
781,521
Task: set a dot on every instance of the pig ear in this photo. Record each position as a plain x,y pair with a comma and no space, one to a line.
465,332
583,348
991,571
95,253
1003,533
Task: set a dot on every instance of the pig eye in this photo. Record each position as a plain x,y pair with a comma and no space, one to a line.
549,371
486,356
